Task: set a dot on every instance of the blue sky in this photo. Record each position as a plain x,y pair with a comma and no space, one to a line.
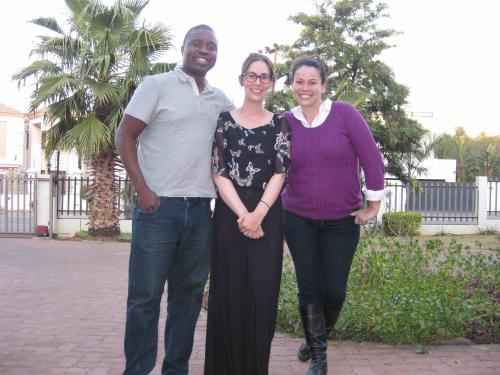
447,53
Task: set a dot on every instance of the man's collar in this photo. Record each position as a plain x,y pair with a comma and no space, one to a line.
184,77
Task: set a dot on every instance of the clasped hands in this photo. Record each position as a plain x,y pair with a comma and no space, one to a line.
249,224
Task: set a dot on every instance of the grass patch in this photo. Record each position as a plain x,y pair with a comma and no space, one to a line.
82,234
405,291
488,230
125,236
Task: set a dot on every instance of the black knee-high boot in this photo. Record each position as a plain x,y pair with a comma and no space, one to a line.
313,320
332,313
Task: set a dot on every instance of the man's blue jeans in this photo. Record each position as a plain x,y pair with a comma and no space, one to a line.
171,245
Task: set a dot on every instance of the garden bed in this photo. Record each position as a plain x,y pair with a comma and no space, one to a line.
425,290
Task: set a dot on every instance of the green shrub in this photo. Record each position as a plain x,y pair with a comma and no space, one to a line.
405,224
81,234
408,292
125,236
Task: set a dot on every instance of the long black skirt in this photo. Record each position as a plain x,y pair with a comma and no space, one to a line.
244,287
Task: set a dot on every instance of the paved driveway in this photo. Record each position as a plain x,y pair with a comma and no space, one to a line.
62,310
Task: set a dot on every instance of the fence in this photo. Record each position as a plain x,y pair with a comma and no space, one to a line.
438,202
18,204
456,208
493,199
73,194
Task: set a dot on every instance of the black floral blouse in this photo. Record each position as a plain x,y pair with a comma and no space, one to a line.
250,157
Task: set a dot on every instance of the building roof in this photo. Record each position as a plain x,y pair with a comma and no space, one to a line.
5,110
39,113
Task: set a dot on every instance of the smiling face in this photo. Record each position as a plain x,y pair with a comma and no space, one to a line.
307,87
257,90
199,52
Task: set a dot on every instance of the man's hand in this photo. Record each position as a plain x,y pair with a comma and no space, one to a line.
148,201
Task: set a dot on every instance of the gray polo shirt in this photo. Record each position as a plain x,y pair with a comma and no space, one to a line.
175,148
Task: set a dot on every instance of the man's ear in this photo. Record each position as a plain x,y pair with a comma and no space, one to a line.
182,49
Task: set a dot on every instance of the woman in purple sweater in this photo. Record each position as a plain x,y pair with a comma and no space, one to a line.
323,201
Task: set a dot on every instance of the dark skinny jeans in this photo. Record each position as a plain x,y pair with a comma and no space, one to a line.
322,252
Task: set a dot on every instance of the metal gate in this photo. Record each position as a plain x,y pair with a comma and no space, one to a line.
439,202
18,205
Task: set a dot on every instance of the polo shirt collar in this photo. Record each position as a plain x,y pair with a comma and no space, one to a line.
184,77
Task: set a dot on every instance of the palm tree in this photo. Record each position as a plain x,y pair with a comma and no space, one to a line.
86,76
488,159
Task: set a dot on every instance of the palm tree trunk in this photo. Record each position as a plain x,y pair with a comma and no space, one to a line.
104,215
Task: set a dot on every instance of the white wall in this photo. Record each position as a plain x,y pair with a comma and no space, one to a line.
37,161
15,141
69,226
42,205
439,169
68,161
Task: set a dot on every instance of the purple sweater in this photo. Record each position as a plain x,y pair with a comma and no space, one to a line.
323,179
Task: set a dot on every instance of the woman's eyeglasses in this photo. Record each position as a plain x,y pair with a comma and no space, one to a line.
252,77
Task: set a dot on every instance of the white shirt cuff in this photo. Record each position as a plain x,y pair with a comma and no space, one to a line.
374,195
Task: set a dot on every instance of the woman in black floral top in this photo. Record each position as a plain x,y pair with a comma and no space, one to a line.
250,160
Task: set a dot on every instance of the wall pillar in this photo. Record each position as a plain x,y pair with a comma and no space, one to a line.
482,202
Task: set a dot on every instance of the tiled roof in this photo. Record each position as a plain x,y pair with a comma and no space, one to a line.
37,114
9,111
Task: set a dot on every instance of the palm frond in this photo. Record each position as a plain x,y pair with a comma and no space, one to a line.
52,88
130,9
100,67
152,39
147,45
77,6
66,48
53,136
89,137
37,68
347,93
162,67
114,117
49,23
103,92
66,108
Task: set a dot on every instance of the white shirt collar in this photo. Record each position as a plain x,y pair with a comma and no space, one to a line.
324,111
187,78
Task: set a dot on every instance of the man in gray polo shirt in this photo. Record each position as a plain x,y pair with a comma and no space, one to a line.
172,117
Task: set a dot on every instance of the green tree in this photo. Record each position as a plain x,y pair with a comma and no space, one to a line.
478,156
487,156
403,146
86,76
346,35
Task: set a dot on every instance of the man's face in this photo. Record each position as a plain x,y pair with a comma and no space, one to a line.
199,52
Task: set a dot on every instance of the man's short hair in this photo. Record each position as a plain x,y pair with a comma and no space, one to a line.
195,28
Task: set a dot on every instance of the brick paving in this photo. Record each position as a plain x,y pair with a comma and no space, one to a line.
62,310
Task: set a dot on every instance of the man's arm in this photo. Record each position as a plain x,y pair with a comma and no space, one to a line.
126,136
